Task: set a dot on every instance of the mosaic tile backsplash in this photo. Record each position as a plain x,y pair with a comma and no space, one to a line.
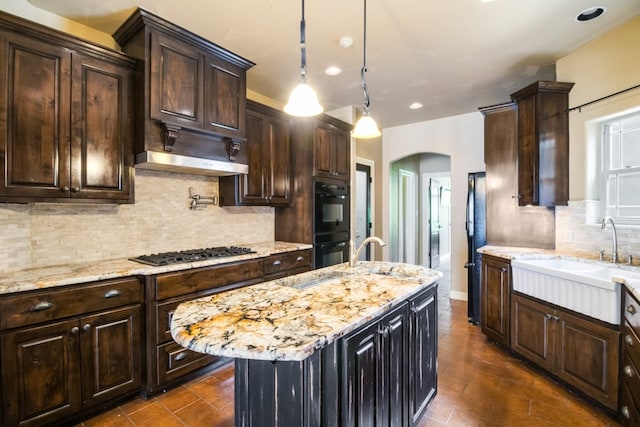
43,234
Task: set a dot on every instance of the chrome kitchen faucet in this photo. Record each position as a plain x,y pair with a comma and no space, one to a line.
614,255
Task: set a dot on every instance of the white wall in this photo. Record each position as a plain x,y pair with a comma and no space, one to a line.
462,138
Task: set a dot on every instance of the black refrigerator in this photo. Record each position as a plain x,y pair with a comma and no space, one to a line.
476,226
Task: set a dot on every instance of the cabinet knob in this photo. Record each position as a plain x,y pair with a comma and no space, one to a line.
86,327
75,330
631,309
628,340
65,189
625,412
277,263
300,258
181,356
75,189
628,371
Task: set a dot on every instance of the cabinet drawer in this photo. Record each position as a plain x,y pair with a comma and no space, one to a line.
632,312
629,410
175,361
190,281
287,261
34,307
631,344
631,377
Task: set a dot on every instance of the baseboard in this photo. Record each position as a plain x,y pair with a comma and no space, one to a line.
462,296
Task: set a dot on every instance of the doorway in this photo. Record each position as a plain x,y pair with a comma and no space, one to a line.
363,213
407,212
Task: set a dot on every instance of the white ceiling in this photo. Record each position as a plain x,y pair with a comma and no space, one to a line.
453,56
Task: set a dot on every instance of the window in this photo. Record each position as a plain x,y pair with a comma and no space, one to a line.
621,169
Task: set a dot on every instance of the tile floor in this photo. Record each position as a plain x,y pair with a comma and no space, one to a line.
479,384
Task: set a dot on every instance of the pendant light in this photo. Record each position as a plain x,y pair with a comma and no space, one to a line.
303,101
365,127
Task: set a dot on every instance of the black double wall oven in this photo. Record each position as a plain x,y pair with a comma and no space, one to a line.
331,223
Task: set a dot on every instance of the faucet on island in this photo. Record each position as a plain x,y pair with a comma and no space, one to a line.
353,255
614,255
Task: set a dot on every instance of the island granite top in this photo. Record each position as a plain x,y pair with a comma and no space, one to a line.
69,274
290,318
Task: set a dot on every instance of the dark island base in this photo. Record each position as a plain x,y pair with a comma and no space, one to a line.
383,374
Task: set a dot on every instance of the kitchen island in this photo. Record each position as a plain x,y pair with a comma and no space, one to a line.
336,346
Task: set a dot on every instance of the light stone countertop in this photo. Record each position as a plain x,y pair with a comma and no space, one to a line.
277,321
511,253
69,274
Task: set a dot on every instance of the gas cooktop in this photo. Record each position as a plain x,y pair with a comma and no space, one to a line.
191,255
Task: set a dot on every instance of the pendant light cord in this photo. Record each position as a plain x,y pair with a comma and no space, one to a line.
303,48
363,83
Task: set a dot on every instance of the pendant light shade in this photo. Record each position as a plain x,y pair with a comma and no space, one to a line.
303,101
366,127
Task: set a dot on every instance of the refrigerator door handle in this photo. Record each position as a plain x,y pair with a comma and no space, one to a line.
469,264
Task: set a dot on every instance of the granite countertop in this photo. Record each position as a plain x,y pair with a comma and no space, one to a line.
507,252
279,320
69,274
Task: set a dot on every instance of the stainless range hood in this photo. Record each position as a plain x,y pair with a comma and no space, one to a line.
155,160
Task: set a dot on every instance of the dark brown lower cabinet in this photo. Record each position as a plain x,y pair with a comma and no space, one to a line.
383,374
584,353
495,296
630,372
53,370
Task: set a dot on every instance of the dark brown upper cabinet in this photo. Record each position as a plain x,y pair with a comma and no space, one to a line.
332,151
66,127
543,143
195,91
268,150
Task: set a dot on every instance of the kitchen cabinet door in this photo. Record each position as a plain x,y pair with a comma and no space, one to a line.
543,143
423,353
495,289
268,150
332,152
41,374
533,331
34,119
111,348
176,82
102,131
225,98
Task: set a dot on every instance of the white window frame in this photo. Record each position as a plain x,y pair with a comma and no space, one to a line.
607,172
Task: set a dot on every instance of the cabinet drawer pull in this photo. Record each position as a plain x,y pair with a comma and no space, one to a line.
112,293
86,327
75,189
628,340
631,309
75,330
181,356
300,258
64,189
625,412
44,305
628,371
277,263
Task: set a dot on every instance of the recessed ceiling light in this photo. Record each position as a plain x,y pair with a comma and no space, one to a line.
415,106
591,13
332,70
346,41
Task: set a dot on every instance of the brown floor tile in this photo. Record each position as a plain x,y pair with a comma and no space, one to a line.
155,415
114,418
177,398
201,414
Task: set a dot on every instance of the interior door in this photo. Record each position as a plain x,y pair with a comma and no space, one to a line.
363,208
434,222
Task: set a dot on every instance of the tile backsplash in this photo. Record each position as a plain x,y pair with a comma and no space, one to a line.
42,234
578,231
